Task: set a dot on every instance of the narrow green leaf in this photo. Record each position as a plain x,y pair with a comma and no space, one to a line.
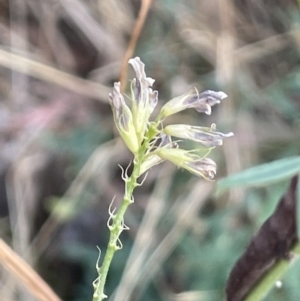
262,175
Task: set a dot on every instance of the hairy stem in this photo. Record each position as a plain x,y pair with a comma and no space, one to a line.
117,220
115,230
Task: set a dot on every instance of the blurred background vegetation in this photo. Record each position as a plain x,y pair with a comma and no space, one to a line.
59,152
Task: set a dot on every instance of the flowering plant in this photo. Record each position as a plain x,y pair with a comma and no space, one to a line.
151,143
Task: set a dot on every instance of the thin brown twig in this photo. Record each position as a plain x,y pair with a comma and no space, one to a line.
27,276
132,43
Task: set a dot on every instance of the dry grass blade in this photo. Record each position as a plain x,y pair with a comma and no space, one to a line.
260,49
135,35
226,70
41,71
186,210
96,162
80,12
28,277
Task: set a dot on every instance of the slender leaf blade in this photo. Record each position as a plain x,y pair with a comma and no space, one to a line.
263,174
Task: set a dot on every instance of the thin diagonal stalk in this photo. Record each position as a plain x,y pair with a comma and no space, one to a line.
115,230
117,221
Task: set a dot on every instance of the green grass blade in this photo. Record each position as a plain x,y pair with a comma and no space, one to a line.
262,175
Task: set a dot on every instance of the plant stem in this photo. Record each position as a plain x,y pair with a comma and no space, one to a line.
262,288
115,230
117,226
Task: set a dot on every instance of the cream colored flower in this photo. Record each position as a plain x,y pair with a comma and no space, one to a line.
201,102
208,137
202,167
143,98
123,119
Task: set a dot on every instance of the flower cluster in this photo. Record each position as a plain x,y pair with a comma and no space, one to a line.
151,141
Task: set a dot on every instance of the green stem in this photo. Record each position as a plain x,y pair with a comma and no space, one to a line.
117,225
260,291
115,230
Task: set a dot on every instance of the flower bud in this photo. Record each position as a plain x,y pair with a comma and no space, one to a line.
123,119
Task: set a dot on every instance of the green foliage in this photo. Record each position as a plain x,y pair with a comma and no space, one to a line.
263,175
